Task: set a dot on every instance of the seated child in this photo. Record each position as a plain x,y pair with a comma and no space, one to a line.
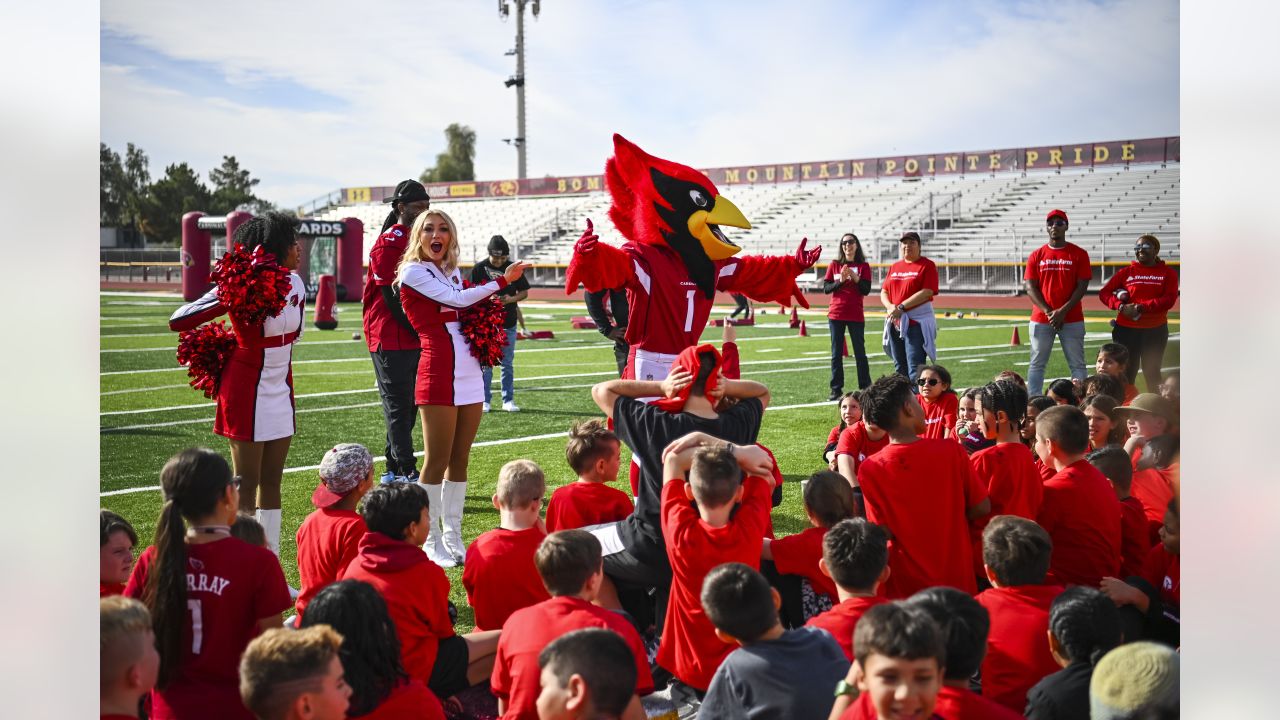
939,402
1104,428
1095,385
967,431
1156,592
1035,405
499,573
828,499
571,567
588,674
247,528
416,591
1006,469
899,655
700,539
1080,509
922,491
1136,680
858,442
1147,416
855,554
1135,543
1010,375
1113,360
1155,480
594,453
1062,392
1016,554
295,674
115,553
128,662
1083,626
370,653
850,413
775,672
1171,388
329,537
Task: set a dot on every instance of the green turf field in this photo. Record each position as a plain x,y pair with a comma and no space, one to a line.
148,412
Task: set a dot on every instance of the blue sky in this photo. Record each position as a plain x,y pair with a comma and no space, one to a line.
320,95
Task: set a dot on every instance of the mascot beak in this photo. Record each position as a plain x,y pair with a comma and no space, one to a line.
705,226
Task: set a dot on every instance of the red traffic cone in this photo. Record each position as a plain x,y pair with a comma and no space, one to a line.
795,318
1015,340
804,330
845,351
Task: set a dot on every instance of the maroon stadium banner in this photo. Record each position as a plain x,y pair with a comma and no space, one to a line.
1050,157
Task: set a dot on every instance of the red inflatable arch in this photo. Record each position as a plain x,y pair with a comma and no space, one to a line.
199,230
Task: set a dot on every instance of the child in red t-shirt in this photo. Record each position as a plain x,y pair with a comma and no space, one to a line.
1006,469
702,537
570,565
855,555
499,573
1016,553
587,675
295,675
828,499
1134,541
115,553
1156,592
416,590
923,491
850,413
858,442
330,537
1155,478
129,661
1113,360
899,653
939,402
1080,509
1036,404
594,454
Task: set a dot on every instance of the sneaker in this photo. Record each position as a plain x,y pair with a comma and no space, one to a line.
388,478
485,407
835,395
510,406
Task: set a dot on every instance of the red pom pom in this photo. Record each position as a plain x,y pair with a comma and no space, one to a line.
253,286
205,351
481,325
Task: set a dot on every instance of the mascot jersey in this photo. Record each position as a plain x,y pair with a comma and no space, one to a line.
676,257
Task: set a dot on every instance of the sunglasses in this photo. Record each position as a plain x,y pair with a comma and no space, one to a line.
235,482
1057,223
1144,246
848,242
928,381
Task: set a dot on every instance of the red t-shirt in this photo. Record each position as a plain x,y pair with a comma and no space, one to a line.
834,435
411,700
500,575
1162,571
920,491
690,648
842,620
905,279
528,631
1082,515
1154,289
1153,487
231,586
327,543
1135,543
846,300
1058,271
109,589
940,414
1018,654
952,704
580,504
799,555
1046,472
855,443
1008,470
381,330
416,591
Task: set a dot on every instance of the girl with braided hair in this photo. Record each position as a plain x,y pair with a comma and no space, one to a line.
209,593
1006,469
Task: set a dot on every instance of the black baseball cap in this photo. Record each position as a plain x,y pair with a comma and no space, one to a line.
408,191
498,246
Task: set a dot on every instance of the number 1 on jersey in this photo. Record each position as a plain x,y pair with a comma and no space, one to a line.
688,315
197,626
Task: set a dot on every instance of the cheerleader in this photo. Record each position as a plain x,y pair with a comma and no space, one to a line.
255,390
450,386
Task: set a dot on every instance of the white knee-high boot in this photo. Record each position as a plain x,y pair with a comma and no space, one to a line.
434,547
270,521
455,497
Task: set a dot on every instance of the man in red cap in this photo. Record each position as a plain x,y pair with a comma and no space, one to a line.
1057,277
635,554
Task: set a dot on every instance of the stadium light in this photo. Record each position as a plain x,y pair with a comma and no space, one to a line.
517,80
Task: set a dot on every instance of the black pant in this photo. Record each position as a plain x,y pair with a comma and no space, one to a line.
743,306
856,330
791,614
397,371
620,352
1146,348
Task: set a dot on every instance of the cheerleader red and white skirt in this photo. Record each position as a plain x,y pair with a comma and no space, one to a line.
448,374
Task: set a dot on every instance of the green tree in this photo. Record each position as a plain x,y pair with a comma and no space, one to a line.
136,182
232,187
179,191
111,187
457,162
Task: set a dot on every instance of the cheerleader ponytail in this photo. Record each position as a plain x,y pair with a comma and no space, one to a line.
392,218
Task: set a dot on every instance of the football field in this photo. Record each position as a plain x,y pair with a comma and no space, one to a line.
148,412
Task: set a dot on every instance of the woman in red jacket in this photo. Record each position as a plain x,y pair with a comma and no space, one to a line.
1142,294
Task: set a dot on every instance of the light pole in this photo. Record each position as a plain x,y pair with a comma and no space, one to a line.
520,140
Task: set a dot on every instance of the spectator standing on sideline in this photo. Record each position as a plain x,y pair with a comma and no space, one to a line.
612,323
1056,278
485,271
848,280
910,328
392,341
1142,295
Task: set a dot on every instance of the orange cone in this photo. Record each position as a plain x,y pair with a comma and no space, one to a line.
1015,340
795,318
804,330
845,352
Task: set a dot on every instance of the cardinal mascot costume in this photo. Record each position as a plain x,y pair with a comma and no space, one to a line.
676,257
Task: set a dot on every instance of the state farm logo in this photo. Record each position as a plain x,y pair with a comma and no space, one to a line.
1052,262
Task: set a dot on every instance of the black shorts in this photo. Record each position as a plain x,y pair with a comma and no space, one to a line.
449,676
